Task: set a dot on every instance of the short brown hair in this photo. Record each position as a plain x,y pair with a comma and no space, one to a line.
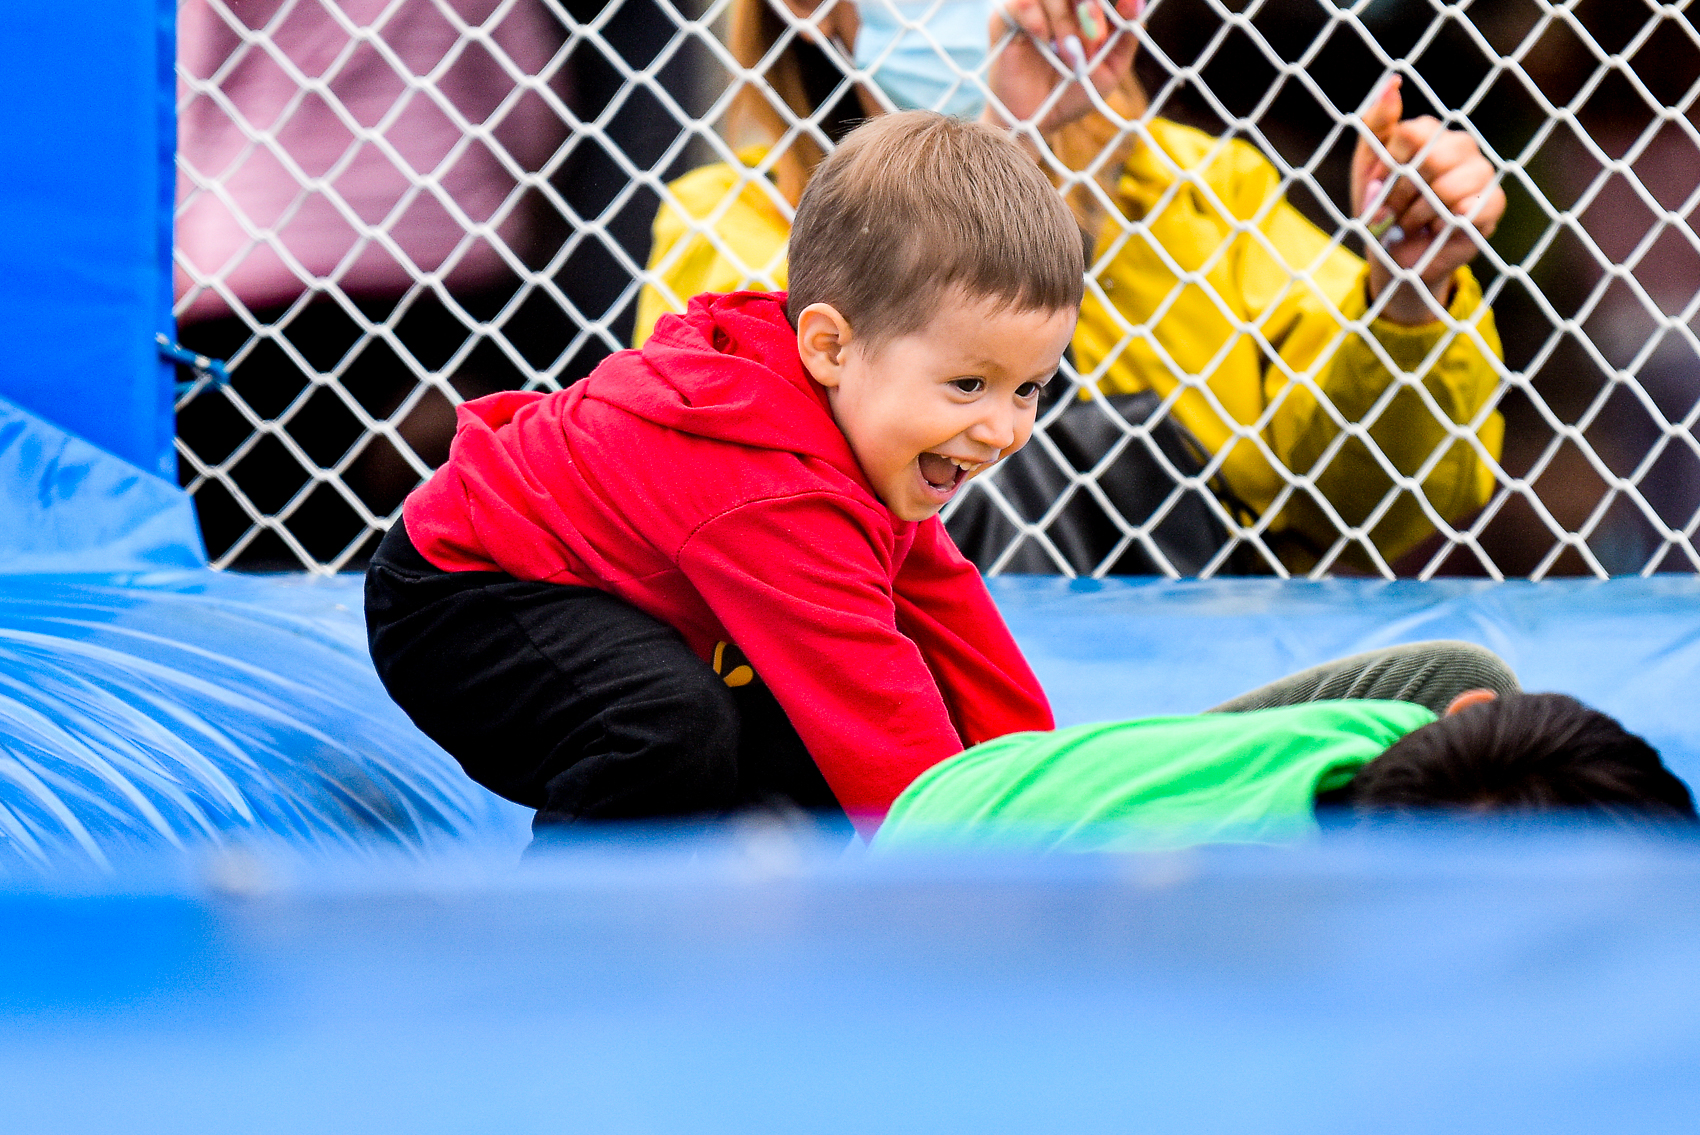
913,204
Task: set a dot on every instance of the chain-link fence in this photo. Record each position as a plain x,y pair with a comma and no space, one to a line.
387,206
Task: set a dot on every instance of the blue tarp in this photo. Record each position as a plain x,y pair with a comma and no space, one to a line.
142,708
191,707
1430,985
239,891
146,702
70,507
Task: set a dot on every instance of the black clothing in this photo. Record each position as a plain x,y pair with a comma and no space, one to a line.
573,702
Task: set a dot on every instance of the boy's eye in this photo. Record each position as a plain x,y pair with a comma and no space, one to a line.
969,385
1029,389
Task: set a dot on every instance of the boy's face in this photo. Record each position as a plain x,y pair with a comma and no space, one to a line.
926,412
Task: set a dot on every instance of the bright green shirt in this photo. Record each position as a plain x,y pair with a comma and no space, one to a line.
1152,783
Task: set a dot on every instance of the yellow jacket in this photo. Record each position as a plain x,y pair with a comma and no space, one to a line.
747,250
1279,278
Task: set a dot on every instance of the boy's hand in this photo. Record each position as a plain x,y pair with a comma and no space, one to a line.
1092,39
1457,202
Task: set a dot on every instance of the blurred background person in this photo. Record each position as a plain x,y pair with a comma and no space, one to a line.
382,211
1592,274
1208,389
297,225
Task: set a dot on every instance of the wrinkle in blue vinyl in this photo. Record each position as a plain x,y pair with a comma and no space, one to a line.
67,505
179,709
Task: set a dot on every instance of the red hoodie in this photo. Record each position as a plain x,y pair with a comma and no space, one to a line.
704,481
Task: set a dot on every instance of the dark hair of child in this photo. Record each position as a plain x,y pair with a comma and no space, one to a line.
1521,753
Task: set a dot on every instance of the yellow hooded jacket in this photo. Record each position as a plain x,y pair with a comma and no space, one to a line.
1245,351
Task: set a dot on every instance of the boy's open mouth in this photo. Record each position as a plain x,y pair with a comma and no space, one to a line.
946,473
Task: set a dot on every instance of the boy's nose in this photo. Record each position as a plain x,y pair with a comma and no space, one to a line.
996,428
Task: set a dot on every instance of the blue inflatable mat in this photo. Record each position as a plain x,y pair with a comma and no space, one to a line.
1130,648
173,708
1431,985
146,711
143,708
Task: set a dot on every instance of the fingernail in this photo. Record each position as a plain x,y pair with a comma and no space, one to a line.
1373,189
1076,54
1379,91
1088,17
1392,236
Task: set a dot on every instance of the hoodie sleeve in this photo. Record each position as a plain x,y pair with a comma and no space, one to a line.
803,586
943,605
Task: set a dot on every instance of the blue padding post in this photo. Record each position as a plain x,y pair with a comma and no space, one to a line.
86,184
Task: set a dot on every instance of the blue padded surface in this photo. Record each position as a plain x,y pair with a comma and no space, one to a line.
1429,986
68,506
186,707
1129,648
172,708
196,706
87,114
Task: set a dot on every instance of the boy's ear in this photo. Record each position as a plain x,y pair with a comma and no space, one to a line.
823,336
1467,699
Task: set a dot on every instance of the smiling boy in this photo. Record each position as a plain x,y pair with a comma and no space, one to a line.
712,574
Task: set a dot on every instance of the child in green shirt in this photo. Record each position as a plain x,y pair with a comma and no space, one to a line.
1385,733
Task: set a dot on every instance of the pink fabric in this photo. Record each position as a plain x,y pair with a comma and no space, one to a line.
315,136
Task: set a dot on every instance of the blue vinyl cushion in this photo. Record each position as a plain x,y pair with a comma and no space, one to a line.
1408,988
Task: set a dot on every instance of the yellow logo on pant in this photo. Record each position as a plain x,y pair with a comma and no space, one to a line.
734,669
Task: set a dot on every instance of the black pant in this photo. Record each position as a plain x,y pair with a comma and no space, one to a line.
572,701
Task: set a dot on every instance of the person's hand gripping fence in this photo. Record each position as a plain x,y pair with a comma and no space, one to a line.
1428,197
1039,45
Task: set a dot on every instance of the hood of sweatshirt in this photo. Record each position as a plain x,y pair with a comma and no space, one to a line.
728,369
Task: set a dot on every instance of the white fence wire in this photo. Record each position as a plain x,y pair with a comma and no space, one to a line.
388,206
